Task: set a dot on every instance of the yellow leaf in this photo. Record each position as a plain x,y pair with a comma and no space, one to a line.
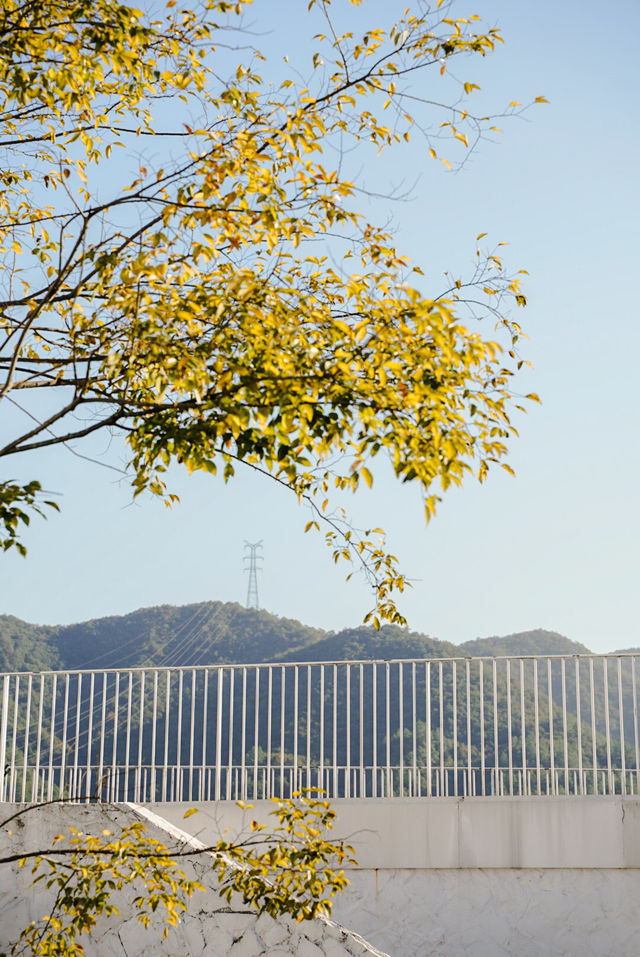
366,475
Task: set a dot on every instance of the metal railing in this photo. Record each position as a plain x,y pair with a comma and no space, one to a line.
421,728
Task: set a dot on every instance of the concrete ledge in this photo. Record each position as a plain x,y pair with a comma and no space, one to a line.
420,833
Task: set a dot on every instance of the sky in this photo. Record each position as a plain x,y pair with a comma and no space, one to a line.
556,547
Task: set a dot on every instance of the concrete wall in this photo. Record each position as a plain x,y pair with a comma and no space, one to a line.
539,877
532,877
410,833
211,928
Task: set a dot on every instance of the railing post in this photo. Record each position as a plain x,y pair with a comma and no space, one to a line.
4,726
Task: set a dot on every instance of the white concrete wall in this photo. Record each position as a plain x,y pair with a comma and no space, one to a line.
410,833
476,912
532,877
438,878
210,928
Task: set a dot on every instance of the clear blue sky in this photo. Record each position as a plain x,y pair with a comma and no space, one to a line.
558,546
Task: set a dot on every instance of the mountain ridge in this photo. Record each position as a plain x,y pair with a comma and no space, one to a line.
227,633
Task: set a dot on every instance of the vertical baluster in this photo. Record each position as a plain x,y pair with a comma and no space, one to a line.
536,719
454,705
114,752
509,727
496,737
552,744
414,728
335,732
401,723
90,734
154,736
167,722
25,748
441,717
256,735
579,723
363,781
4,731
321,768
76,744
623,763
52,735
605,675
36,780
192,734
205,722
13,778
179,795
308,781
293,776
347,773
243,740
594,748
482,741
127,741
220,675
388,728
523,734
269,727
63,746
374,718
467,667
565,743
232,676
635,723
282,727
140,793
103,731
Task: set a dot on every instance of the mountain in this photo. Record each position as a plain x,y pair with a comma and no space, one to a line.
205,633
536,642
25,647
226,633
367,644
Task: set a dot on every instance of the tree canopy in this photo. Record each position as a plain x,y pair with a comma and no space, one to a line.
187,264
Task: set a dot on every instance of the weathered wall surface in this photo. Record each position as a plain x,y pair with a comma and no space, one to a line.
495,912
421,833
210,928
513,877
532,877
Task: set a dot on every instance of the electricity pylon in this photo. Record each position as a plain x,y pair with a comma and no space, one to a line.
251,565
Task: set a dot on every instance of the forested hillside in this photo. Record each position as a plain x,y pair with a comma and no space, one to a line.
224,632
537,642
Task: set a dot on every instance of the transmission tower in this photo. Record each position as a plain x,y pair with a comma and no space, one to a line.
251,560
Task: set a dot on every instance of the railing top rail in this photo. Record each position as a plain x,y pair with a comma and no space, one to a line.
315,664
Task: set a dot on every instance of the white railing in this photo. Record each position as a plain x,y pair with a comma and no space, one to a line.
423,728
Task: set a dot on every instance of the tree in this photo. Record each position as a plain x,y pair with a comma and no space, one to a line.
226,302
289,870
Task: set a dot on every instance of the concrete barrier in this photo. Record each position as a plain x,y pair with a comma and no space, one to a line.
496,877
210,928
528,877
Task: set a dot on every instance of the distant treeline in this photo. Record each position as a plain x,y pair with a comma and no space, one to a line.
226,633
